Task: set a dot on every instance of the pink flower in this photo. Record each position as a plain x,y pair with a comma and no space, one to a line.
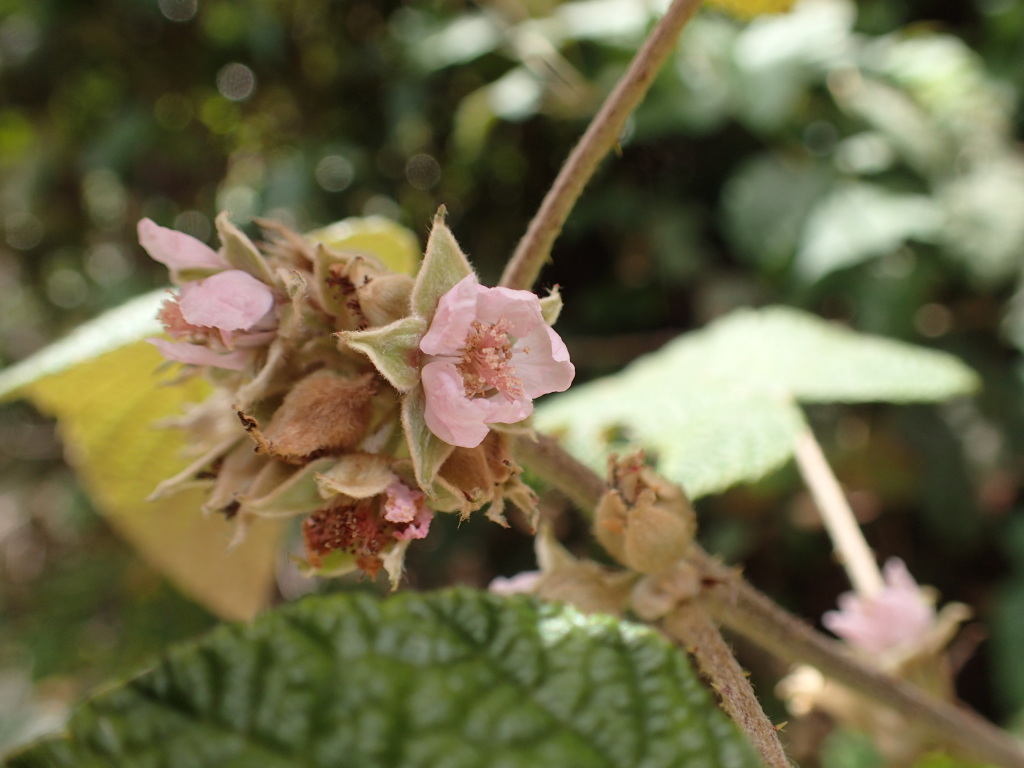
176,250
489,354
899,616
216,320
407,508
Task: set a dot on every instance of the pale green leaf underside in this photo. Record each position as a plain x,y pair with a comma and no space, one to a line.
459,678
719,406
134,320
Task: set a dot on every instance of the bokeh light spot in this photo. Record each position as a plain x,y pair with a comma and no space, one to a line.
334,173
194,223
66,288
236,82
423,172
173,111
178,10
107,264
23,231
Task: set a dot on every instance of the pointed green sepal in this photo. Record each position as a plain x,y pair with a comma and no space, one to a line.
357,475
427,451
240,251
297,493
444,264
551,306
393,349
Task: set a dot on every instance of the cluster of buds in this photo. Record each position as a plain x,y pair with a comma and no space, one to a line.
359,397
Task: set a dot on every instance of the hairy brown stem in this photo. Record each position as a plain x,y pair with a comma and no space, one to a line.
743,609
748,612
598,140
690,625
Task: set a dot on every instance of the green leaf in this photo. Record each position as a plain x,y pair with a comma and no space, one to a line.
444,264
100,383
857,222
719,406
394,245
392,349
456,678
132,321
764,226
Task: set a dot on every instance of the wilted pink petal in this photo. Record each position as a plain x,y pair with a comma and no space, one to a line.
407,508
196,354
418,528
899,615
176,250
231,301
402,503
489,353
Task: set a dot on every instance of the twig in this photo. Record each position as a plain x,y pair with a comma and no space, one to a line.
743,609
748,612
690,625
853,551
600,137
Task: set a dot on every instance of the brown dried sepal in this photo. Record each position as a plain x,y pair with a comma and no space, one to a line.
324,413
348,526
488,474
644,521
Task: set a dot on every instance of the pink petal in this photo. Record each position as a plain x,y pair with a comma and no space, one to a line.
231,301
898,616
455,313
453,417
520,308
402,503
196,354
546,367
418,528
177,250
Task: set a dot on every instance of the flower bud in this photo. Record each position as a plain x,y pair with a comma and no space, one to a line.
644,521
323,413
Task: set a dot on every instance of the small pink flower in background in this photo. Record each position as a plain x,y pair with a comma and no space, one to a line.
522,583
216,320
489,354
407,508
900,615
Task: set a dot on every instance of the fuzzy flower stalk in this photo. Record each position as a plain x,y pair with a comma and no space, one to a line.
345,391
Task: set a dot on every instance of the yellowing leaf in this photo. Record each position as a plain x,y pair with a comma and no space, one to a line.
106,407
392,243
748,9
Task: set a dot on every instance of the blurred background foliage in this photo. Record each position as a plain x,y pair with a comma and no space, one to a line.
858,160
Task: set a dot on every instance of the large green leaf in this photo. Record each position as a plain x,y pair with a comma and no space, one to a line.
132,321
858,222
457,678
100,383
720,406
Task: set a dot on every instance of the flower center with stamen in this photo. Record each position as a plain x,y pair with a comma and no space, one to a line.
486,361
